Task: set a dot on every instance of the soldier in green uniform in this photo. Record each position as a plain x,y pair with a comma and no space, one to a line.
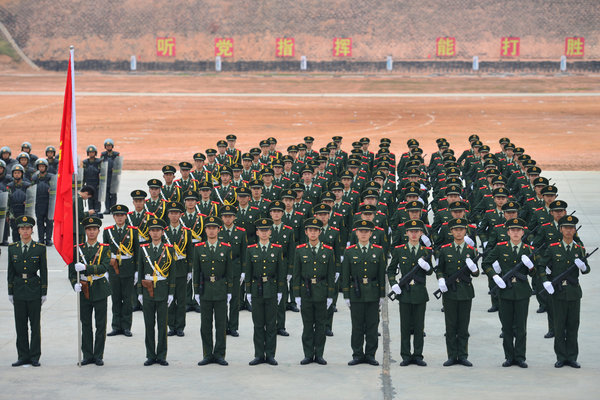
180,237
412,296
88,278
235,236
265,280
138,218
155,289
213,284
559,257
363,286
170,191
85,193
457,301
513,300
313,285
186,182
193,220
27,290
124,245
155,204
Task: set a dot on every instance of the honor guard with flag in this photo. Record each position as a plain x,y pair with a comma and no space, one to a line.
88,278
124,245
27,274
155,288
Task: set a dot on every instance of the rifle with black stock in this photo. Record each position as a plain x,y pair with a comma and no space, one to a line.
451,281
514,271
556,281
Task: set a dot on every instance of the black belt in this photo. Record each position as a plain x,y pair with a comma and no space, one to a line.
28,276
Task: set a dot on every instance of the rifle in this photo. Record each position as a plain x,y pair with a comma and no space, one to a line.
563,276
538,225
451,281
514,272
404,281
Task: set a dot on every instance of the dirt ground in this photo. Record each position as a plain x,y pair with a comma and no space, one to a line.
559,132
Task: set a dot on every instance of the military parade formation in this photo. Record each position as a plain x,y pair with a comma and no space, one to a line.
276,233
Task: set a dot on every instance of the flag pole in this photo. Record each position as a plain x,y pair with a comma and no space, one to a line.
76,204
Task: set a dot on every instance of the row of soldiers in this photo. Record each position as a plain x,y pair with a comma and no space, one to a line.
391,202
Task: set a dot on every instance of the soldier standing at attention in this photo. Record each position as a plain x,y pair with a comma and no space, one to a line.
27,290
363,286
453,257
155,289
412,297
91,175
513,300
93,289
265,277
124,245
109,156
313,286
213,284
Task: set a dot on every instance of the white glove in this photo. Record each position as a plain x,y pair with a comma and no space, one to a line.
381,301
337,276
11,299
424,264
548,286
279,296
548,271
425,240
420,200
484,245
496,266
289,278
298,301
442,285
44,298
347,302
499,281
249,298
197,298
242,277
135,277
580,264
389,230
189,276
169,300
526,261
347,244
228,297
341,259
77,287
469,241
396,289
79,267
141,299
329,302
471,265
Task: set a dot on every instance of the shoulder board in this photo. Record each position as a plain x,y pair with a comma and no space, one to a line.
149,213
382,203
402,224
109,227
287,226
528,246
337,214
186,228
351,246
130,212
354,191
387,191
267,200
327,247
538,209
470,155
498,226
377,246
301,246
168,245
286,178
576,245
334,228
483,187
143,245
471,247
379,228
132,227
442,209
473,226
399,246
446,245
490,211
317,185
501,243
215,202
445,223
199,244
487,195
524,186
225,244
425,247
103,244
510,164
521,177
361,177
239,228
253,208
531,199
275,245
345,202
308,202
329,172
252,245
555,244
203,215
278,187
547,223
299,213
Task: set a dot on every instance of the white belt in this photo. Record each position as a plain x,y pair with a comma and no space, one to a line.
179,257
142,240
94,277
149,277
123,256
195,240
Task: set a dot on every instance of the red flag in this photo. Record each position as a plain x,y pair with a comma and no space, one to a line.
67,166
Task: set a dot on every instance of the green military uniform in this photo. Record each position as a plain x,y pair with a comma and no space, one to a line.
138,220
413,297
213,285
566,296
313,283
513,300
96,259
27,289
265,280
154,269
363,284
195,222
124,245
459,294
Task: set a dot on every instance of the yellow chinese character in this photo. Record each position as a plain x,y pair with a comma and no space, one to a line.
224,47
165,47
510,47
446,46
342,47
285,47
574,47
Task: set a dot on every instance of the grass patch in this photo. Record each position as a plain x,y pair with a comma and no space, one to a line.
7,49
